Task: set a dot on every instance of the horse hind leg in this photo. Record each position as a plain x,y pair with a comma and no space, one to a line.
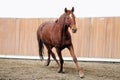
54,57
48,60
52,54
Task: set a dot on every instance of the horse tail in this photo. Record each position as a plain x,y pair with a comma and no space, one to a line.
40,45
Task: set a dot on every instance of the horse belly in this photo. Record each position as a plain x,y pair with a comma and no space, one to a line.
46,37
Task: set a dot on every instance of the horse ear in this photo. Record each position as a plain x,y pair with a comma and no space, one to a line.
65,10
72,9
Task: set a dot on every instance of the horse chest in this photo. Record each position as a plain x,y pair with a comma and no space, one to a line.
66,40
61,41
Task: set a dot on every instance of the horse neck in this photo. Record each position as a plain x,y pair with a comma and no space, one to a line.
61,22
63,27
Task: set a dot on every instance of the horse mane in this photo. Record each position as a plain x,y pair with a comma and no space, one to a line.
64,27
60,19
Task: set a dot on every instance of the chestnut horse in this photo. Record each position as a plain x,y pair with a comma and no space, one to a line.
56,34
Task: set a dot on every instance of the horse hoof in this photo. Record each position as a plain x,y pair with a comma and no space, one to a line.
81,74
61,72
47,65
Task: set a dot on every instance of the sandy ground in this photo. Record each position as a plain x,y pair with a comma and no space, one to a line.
11,69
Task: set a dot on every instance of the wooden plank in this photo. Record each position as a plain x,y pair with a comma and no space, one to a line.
109,37
7,36
97,38
17,37
83,37
116,43
28,39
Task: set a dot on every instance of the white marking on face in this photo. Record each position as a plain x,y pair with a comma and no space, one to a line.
70,16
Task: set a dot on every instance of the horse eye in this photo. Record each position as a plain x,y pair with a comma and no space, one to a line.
68,18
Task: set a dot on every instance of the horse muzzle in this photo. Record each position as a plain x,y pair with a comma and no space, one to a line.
74,30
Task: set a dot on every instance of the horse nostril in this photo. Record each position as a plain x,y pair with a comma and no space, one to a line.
74,30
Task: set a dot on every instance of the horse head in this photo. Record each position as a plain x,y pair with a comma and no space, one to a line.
70,19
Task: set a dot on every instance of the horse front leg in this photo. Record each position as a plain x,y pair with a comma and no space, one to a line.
71,49
61,60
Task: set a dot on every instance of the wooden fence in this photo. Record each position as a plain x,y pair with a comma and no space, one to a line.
95,38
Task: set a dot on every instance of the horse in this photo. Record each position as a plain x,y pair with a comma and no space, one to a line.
56,34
